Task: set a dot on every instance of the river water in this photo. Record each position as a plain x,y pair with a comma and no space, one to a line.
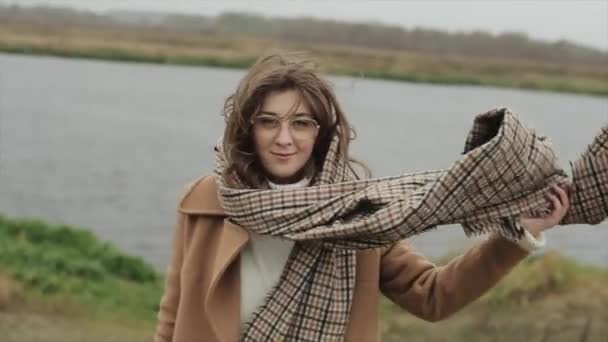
109,146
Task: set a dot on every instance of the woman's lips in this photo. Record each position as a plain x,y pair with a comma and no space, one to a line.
283,156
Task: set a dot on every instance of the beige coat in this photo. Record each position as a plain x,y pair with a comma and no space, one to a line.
202,292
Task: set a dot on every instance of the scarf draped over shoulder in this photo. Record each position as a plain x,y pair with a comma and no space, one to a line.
506,171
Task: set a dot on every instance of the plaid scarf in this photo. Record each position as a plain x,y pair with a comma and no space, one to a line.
505,171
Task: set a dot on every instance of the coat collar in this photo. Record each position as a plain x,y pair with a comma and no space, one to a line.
201,197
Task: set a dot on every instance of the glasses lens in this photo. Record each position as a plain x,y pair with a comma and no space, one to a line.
266,122
303,128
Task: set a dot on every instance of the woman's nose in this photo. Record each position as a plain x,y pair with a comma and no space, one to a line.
284,135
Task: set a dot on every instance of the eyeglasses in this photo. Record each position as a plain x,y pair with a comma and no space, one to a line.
300,127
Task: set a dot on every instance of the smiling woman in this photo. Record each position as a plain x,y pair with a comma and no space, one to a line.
286,132
280,122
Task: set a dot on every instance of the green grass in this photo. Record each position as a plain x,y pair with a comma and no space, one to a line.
67,269
121,55
562,84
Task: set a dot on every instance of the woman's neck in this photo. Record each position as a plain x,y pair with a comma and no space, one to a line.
301,179
299,184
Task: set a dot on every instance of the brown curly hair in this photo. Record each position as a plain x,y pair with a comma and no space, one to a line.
280,72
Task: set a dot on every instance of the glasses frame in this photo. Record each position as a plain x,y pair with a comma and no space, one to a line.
288,118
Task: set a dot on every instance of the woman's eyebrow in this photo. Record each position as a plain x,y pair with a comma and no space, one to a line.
277,115
268,113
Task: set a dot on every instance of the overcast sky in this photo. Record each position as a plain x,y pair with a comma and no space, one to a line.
582,21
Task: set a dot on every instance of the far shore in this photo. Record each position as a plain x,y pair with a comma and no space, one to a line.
241,52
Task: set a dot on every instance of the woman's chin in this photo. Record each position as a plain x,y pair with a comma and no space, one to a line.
285,176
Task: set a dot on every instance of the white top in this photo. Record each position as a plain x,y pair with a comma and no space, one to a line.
530,243
263,259
262,262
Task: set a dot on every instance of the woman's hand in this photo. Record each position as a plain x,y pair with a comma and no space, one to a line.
561,203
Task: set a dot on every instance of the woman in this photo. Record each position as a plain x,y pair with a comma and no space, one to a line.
280,123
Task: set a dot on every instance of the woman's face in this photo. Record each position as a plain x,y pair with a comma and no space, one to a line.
284,135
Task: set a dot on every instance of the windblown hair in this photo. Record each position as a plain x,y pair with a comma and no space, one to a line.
280,72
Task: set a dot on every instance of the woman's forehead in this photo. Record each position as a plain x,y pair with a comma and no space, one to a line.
286,102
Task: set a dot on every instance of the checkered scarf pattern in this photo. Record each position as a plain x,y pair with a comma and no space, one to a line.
505,171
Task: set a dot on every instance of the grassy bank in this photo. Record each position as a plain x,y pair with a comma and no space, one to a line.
59,283
546,298
239,52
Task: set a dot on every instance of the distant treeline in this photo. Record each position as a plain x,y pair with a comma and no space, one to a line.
307,30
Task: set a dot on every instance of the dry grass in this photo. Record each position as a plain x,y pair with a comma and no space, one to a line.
29,317
544,299
577,315
11,292
32,327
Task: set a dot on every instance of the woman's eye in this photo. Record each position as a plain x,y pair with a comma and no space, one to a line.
267,121
302,123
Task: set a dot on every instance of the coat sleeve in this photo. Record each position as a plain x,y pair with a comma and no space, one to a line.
170,300
435,292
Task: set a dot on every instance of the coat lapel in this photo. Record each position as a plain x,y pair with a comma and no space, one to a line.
222,302
223,297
